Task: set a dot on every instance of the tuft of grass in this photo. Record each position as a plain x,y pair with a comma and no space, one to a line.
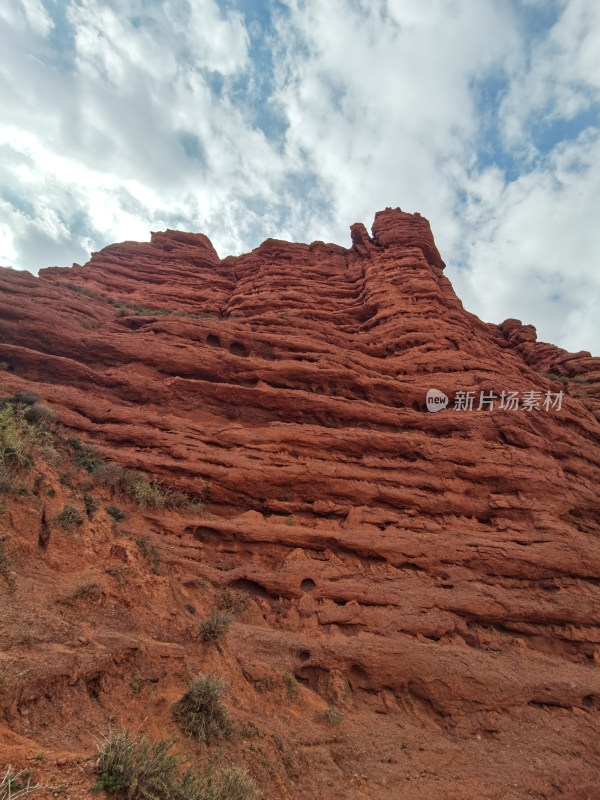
216,626
87,591
140,769
152,493
149,553
232,783
69,518
84,455
17,436
200,713
292,690
149,493
231,600
290,520
116,513
5,562
333,717
17,784
74,287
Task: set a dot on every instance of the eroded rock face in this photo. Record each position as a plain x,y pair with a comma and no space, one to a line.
447,561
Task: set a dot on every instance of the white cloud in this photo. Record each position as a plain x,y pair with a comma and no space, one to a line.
27,13
561,78
154,114
534,245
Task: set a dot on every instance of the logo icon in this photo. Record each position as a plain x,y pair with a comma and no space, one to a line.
436,400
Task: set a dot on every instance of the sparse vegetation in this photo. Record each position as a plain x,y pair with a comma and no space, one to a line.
17,784
139,769
116,513
149,553
17,437
84,455
290,520
149,493
153,493
69,518
292,690
91,505
232,600
333,717
216,626
25,398
87,591
231,784
200,713
563,378
5,562
39,414
74,287
123,309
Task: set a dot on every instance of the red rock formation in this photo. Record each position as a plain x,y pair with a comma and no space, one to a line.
445,566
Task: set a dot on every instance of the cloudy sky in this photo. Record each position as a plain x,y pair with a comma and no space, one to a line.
295,118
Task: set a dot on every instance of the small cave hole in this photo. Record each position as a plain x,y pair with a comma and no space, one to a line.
253,588
237,349
304,655
307,585
213,340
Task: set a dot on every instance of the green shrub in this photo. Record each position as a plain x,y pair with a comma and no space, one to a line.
152,493
84,455
200,713
290,520
91,505
216,626
333,717
69,518
149,493
116,513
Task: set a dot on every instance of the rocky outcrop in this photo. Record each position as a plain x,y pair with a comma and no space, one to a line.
446,565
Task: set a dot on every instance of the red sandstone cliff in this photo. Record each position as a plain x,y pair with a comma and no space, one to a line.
436,576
